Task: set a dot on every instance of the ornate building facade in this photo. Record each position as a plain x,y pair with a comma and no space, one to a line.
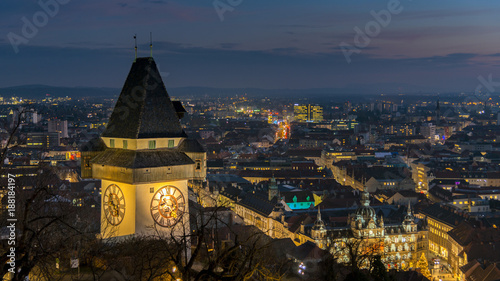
368,235
396,243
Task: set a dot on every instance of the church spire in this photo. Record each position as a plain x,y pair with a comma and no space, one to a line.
273,189
409,221
365,197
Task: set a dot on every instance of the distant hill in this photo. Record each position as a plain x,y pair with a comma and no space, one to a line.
40,91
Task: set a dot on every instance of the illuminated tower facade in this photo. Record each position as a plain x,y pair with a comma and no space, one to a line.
144,160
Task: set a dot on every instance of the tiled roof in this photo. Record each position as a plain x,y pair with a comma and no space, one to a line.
95,144
469,266
294,222
258,203
483,250
279,174
142,158
302,196
144,109
305,152
445,215
486,272
231,192
190,145
309,251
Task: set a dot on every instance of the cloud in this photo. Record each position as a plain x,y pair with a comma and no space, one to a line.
217,67
446,13
229,45
450,60
261,45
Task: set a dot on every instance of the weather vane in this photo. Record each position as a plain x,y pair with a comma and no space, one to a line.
151,43
135,39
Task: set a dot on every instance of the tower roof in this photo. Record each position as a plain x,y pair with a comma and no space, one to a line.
365,210
144,109
319,224
191,145
409,216
138,159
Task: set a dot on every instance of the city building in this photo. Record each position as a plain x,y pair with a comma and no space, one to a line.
308,113
33,117
365,229
59,126
428,130
42,139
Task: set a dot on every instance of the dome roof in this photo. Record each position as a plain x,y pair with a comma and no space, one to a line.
318,224
408,217
366,212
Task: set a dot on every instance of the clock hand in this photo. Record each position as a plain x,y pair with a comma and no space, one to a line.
114,206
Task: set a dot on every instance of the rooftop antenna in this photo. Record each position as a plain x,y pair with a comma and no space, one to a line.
151,43
135,39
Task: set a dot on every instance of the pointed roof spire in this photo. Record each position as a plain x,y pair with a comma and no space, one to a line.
144,108
319,225
365,197
409,217
273,180
319,213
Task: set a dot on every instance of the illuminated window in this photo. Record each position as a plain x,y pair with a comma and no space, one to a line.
170,143
125,144
111,143
152,144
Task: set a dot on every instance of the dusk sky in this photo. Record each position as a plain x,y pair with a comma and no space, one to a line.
433,46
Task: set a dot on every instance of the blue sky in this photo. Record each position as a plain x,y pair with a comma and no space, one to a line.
432,46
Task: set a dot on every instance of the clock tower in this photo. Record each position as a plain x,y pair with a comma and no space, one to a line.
144,160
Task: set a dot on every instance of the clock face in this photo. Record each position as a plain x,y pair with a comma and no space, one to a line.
114,204
167,206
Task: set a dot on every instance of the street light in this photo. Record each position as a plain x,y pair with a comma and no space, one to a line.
302,268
